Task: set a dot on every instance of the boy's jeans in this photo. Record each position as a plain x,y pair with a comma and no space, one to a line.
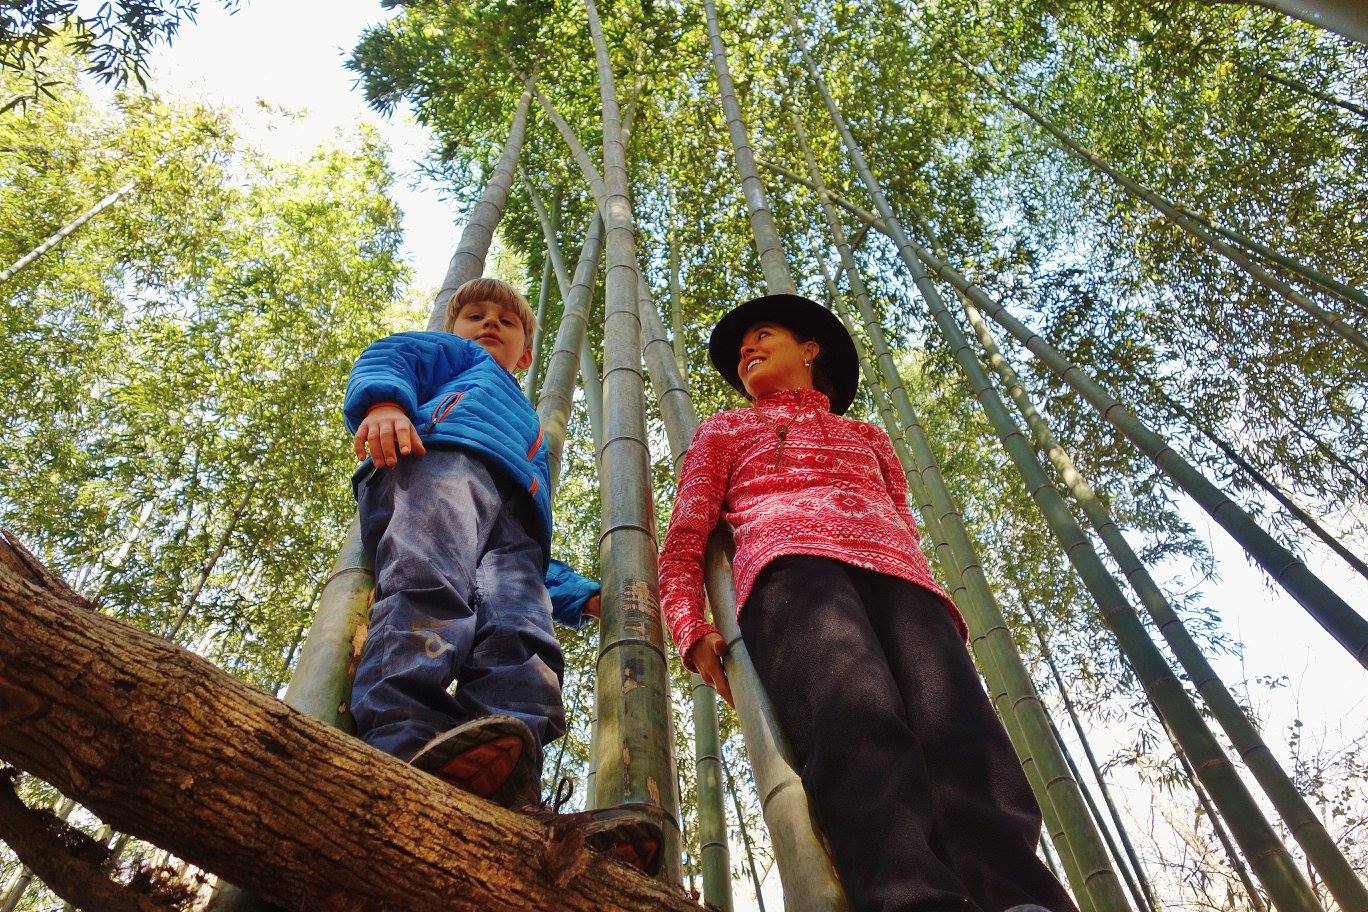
460,592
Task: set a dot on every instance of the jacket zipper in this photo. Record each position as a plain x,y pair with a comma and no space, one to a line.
443,409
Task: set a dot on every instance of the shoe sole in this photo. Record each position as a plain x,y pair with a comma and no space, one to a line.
635,843
644,856
485,768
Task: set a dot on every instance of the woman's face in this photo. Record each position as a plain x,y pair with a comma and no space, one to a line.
772,359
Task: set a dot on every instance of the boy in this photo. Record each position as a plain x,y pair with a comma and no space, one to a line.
455,516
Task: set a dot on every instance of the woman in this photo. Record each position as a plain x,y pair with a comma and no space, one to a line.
863,655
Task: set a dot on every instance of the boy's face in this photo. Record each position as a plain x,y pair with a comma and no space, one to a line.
497,330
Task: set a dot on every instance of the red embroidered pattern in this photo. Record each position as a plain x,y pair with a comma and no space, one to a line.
789,477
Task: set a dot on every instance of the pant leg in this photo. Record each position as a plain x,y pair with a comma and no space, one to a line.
515,667
837,703
986,821
424,524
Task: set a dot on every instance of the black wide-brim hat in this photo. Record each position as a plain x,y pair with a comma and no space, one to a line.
805,317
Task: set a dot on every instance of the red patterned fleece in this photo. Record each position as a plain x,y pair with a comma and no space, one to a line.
789,477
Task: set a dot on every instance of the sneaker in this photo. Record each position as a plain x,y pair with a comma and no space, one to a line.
619,832
493,757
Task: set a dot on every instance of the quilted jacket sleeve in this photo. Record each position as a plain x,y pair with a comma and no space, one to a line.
569,593
702,486
406,369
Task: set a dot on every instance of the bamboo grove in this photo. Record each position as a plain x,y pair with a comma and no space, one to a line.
1101,261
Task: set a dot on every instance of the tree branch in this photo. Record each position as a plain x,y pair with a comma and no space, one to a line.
70,863
164,746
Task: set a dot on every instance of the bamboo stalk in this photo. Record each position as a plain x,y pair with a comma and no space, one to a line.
71,227
1245,737
1296,85
1273,863
1322,603
1320,445
1344,17
810,883
668,382
1263,481
1326,282
681,351
745,837
1232,855
588,368
633,691
1118,859
714,853
534,369
468,261
1196,227
1142,891
768,246
207,568
563,364
992,641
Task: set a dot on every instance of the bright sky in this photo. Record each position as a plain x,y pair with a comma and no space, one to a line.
290,54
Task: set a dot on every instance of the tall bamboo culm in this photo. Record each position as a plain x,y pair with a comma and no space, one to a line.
768,247
1232,854
1344,17
533,377
668,382
589,373
635,762
1275,866
1264,482
1301,820
468,261
998,657
1197,227
1322,603
745,836
1138,880
950,573
71,227
809,882
321,684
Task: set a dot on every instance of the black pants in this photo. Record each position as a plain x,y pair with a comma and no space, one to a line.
909,771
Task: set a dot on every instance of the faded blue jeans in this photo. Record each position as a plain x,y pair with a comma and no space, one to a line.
460,595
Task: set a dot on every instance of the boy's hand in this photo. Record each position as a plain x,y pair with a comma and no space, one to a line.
388,433
592,606
706,655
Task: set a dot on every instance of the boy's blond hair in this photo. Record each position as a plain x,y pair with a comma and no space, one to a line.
495,291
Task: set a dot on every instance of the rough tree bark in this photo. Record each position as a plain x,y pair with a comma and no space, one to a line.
164,746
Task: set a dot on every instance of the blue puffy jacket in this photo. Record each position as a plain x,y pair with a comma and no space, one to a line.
455,393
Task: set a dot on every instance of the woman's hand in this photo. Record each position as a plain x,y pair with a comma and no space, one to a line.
706,655
386,429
